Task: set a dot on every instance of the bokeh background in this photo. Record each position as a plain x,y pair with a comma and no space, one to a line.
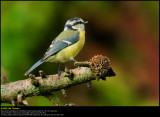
127,32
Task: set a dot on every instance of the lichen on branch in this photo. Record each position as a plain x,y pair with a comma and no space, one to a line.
46,84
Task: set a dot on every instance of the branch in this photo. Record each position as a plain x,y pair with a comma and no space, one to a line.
54,100
46,84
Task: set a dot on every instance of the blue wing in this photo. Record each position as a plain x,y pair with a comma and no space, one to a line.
65,39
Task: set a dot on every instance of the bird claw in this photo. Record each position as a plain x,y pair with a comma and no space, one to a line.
59,73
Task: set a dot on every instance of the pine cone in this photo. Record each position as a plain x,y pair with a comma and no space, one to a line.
100,65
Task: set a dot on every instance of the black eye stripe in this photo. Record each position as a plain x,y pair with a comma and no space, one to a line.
77,23
70,27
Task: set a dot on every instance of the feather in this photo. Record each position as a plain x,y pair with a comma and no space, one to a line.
33,67
65,39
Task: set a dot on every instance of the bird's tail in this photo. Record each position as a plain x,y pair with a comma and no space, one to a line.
33,67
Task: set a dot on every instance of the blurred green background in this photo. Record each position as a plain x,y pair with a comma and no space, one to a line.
125,32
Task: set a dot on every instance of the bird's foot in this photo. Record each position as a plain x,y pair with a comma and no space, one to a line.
74,61
59,73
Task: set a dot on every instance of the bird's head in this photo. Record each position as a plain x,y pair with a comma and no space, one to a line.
76,24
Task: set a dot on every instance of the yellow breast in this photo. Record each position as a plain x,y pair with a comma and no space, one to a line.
69,52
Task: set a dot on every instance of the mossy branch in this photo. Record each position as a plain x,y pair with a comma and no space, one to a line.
46,84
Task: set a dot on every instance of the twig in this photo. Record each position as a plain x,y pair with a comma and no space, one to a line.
4,79
54,100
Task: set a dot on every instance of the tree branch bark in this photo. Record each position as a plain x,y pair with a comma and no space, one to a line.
46,85
34,86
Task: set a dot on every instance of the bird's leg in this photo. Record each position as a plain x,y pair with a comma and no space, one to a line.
59,70
72,59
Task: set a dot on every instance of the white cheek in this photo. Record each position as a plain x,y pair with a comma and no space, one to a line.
80,27
65,28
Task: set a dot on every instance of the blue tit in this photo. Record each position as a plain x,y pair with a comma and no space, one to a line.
66,45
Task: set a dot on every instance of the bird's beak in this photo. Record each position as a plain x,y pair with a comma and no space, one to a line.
85,22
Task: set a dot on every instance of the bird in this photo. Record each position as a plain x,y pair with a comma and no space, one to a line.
66,45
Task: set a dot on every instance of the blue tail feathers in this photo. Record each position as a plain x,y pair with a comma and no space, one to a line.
33,67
